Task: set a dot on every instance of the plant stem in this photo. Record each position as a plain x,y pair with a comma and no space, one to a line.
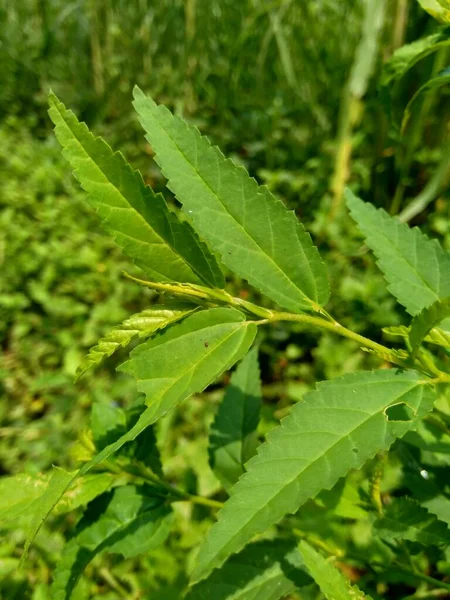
139,470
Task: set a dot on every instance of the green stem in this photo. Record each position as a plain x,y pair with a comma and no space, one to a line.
178,495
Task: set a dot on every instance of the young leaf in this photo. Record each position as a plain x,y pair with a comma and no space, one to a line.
405,519
252,231
127,521
334,429
439,9
233,438
416,268
266,570
331,581
424,322
139,325
138,219
186,358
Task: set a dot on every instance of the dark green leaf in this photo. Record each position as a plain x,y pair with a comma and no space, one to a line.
405,519
266,570
126,521
233,438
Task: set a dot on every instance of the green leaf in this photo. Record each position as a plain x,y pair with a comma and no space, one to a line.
19,492
254,234
138,219
233,438
266,570
126,521
182,361
439,9
337,427
416,268
185,358
405,519
139,325
424,322
331,581
408,55
441,80
58,484
108,423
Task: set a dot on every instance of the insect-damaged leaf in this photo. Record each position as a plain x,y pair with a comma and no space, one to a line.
337,427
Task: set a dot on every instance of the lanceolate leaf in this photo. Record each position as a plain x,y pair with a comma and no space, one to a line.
140,325
331,581
187,357
266,570
424,322
139,220
334,429
252,231
405,519
127,521
179,362
416,268
233,438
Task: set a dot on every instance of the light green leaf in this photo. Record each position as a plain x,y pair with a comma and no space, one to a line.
139,325
331,581
182,361
266,570
416,268
58,484
405,519
185,358
127,521
252,231
337,427
428,318
441,80
138,219
19,492
233,438
439,9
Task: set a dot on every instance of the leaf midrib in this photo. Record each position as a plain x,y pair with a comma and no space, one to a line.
321,457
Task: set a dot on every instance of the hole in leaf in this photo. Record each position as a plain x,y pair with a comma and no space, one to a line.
355,450
399,412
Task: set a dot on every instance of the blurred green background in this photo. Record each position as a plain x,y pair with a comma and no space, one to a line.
270,82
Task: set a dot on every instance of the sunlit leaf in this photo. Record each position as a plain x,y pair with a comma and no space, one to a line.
252,231
139,220
334,429
416,268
